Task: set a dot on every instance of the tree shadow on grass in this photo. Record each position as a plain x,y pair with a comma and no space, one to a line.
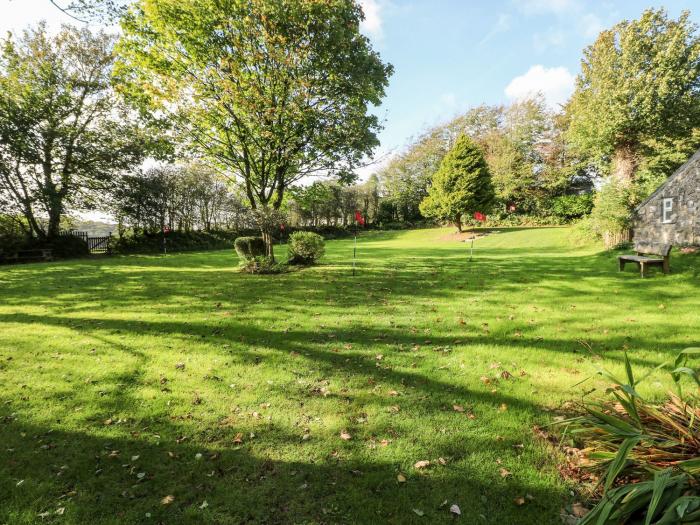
119,474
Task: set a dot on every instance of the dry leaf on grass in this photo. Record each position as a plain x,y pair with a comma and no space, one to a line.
422,464
167,500
345,435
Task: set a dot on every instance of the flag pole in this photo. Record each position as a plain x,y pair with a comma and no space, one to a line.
471,251
354,252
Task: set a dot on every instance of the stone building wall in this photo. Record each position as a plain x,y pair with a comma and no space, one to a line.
684,226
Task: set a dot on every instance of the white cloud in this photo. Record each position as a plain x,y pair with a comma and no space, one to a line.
555,83
372,24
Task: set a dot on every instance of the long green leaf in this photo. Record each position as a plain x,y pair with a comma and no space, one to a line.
620,460
628,370
626,428
660,483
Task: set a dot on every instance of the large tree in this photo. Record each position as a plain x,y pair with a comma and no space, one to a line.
462,185
63,133
639,82
270,90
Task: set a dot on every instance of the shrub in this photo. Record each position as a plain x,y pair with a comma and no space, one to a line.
305,248
261,264
647,454
67,246
611,215
570,207
177,241
249,247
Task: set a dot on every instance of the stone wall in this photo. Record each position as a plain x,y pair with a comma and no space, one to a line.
684,227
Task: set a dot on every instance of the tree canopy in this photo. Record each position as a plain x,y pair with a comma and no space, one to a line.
462,184
639,82
271,91
63,133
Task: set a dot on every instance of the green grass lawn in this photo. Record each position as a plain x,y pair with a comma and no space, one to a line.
129,379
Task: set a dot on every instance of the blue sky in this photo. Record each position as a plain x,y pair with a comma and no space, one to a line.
452,54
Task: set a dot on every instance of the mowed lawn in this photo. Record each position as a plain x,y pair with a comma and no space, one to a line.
127,380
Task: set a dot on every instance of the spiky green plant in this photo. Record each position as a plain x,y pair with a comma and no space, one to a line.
647,454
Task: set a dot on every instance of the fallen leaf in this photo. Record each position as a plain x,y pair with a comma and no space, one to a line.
167,500
422,464
345,436
454,509
519,501
238,439
204,505
504,472
442,461
401,478
419,512
458,408
503,407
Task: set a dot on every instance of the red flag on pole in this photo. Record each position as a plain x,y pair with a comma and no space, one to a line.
480,216
359,218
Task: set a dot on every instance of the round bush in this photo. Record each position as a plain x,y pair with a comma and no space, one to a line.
249,247
305,247
261,265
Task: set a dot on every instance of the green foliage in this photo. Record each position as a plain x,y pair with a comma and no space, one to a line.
638,82
611,216
198,63
648,453
63,132
570,207
305,248
131,241
525,151
181,197
462,184
67,247
249,247
261,264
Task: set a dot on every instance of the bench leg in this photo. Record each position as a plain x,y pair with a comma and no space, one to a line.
642,269
621,262
667,267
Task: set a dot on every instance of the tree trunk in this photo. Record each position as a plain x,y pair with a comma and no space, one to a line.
625,163
458,223
54,227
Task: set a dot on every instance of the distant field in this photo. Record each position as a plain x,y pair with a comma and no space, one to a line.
309,397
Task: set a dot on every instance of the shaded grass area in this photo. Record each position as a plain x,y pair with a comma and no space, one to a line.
126,380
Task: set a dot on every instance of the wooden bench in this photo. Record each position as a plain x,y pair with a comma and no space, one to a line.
648,254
